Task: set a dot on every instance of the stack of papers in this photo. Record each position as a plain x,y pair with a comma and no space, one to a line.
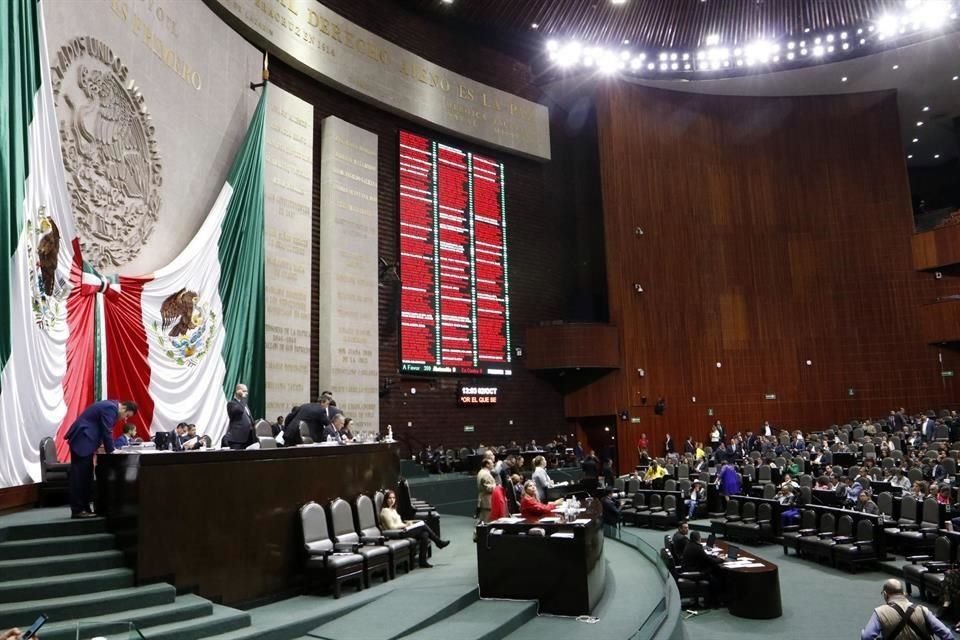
509,520
562,534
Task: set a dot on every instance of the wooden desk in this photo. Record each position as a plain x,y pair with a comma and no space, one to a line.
752,592
566,575
226,524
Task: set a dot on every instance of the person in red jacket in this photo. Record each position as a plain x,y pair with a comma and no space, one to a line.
531,507
498,504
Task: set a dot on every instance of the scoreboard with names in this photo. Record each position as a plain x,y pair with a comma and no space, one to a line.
454,302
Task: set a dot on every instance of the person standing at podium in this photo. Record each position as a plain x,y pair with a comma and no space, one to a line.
240,430
91,429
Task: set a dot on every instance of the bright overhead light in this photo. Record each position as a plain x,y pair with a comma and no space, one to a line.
712,40
790,56
552,45
818,51
932,14
956,77
618,1
843,79
534,26
936,156
845,46
910,157
843,35
626,41
916,140
895,67
887,25
919,123
926,109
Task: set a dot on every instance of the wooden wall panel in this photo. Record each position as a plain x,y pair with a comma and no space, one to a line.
937,248
565,346
941,321
776,231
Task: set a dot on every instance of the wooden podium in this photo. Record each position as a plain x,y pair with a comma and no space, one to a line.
225,524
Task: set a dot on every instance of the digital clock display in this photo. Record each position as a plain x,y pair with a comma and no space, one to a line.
454,301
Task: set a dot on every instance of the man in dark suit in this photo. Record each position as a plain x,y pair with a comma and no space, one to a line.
680,540
91,429
696,559
316,415
240,430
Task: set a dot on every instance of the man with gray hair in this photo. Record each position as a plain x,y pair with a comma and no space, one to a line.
900,619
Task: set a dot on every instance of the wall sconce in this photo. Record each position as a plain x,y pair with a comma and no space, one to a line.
518,351
641,372
638,231
637,287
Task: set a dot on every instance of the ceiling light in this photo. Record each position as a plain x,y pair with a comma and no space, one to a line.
803,52
926,109
919,123
863,41
663,55
936,156
910,157
790,56
916,140
626,41
534,26
931,14
651,66
843,35
791,45
552,45
618,1
447,1
843,79
887,25
895,67
955,77
636,63
818,51
686,56
846,45
712,40
816,41
829,37
686,66
673,56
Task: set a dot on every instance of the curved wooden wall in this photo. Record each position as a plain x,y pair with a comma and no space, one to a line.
776,231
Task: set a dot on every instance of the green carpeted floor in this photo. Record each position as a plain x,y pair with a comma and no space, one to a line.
819,602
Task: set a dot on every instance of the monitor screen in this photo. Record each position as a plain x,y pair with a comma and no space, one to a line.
454,301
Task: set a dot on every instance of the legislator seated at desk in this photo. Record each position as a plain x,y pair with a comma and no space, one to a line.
530,505
695,558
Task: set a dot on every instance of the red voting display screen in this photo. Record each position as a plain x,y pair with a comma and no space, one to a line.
455,304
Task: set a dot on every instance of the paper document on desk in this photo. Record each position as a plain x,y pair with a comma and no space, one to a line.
550,520
582,521
508,520
562,534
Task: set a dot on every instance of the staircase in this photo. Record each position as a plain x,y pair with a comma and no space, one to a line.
71,570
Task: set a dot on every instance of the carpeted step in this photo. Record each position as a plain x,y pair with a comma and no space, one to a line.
25,568
409,610
53,529
87,605
58,545
484,620
221,620
65,585
183,608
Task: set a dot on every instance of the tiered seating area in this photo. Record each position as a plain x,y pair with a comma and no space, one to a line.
910,523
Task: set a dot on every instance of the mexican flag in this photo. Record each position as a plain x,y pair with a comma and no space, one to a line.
39,254
178,341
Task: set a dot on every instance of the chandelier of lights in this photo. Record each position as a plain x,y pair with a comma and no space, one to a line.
919,18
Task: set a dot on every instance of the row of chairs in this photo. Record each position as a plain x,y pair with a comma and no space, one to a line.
748,520
653,508
833,536
928,572
345,544
343,549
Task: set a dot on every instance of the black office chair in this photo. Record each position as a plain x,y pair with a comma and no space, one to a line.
691,584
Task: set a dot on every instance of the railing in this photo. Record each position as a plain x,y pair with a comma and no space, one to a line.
649,625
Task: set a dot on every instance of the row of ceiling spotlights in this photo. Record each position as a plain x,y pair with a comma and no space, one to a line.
920,15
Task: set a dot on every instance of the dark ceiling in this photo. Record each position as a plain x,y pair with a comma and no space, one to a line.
657,24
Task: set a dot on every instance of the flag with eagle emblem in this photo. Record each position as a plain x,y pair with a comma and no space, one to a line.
179,340
44,358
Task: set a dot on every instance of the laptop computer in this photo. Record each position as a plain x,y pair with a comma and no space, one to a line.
732,552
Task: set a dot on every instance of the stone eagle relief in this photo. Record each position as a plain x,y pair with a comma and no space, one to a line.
110,155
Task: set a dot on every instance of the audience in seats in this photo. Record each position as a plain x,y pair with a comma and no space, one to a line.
866,505
390,520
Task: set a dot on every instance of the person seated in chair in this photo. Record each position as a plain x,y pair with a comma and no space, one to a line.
697,495
191,440
866,505
176,441
695,558
345,433
679,540
128,437
531,507
390,520
655,472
